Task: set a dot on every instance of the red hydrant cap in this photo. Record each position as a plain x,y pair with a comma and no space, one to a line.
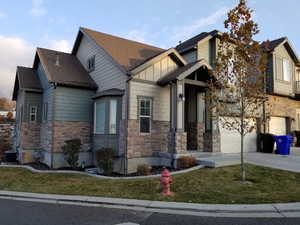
165,173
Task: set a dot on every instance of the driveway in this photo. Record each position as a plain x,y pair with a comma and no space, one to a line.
289,163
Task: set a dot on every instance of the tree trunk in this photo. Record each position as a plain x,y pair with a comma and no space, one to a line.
243,171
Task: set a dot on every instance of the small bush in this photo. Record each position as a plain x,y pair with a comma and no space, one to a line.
104,158
9,115
144,170
71,150
186,162
38,156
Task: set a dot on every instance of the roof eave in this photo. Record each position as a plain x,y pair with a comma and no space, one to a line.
94,88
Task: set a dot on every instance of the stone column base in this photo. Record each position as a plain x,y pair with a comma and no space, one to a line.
180,142
212,142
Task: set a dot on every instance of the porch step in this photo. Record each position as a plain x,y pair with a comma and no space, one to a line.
295,150
219,161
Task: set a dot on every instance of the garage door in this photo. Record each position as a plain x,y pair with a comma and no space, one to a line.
277,125
231,141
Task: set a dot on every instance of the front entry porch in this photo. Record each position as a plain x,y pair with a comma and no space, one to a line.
192,127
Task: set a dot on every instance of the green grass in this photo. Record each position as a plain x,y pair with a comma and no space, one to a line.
219,185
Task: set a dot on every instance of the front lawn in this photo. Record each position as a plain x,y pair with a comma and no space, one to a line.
218,185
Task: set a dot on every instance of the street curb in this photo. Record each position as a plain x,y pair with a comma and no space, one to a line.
215,210
98,176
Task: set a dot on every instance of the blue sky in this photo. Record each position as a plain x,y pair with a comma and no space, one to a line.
54,24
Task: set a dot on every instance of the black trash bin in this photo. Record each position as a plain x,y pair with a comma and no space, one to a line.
10,156
297,134
265,143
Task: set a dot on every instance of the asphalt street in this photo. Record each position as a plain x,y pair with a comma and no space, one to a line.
34,213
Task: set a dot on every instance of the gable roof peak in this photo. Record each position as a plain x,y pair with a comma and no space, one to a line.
126,53
192,42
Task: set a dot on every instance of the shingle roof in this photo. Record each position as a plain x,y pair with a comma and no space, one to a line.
64,69
109,92
28,78
273,44
128,54
192,42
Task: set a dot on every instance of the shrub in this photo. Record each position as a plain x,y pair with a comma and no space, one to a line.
143,170
71,150
38,156
10,115
186,162
104,158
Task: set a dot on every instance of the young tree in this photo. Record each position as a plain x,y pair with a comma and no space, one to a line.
237,92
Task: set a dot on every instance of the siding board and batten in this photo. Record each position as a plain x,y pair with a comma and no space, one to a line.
157,70
160,95
280,86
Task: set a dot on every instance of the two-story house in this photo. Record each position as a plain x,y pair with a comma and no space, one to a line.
283,87
144,102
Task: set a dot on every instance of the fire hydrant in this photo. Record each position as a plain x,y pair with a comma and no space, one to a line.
166,181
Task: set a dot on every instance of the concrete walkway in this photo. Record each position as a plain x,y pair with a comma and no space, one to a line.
288,163
210,210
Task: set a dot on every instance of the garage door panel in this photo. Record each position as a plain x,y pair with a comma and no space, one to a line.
231,141
277,125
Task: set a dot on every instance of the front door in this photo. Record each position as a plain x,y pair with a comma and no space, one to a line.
194,117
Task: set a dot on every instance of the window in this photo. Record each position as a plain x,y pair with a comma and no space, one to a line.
100,117
91,64
286,70
33,114
145,115
106,111
113,116
298,75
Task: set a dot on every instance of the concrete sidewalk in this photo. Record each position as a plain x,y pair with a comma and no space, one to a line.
219,210
288,163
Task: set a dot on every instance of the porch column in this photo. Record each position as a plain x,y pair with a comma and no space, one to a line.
179,137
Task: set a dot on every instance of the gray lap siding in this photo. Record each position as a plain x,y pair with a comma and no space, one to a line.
107,75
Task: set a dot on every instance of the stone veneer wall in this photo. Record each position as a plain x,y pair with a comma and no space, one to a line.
6,137
30,141
46,136
63,131
195,136
180,142
212,141
284,107
147,145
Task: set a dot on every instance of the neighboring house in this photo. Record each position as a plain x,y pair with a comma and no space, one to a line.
4,113
283,87
144,102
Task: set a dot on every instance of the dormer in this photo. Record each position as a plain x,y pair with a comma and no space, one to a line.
202,46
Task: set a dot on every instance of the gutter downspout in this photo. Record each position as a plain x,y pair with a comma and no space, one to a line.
53,111
126,123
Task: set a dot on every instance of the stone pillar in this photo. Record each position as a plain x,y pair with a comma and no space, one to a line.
177,142
212,139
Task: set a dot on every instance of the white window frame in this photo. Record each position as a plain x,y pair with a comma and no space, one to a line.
33,113
287,71
113,118
140,99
